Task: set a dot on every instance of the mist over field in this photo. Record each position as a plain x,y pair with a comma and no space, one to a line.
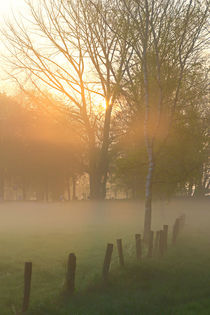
36,217
45,233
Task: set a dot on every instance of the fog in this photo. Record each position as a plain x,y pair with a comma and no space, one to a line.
35,217
45,233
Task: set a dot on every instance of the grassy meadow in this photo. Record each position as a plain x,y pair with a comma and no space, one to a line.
45,233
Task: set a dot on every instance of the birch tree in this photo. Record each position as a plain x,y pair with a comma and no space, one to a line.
167,37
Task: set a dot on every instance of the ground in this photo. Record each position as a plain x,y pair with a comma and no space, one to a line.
45,234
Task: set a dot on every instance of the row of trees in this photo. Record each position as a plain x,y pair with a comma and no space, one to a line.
181,164
145,59
39,148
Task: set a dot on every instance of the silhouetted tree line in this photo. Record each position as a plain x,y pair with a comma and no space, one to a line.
42,149
182,167
39,146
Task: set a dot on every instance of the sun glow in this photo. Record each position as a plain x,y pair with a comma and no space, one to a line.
100,106
98,103
103,104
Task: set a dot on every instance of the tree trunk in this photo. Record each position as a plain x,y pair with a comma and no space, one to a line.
199,191
2,188
148,142
104,158
47,190
99,167
68,189
202,185
74,188
98,158
98,179
24,188
148,200
190,189
97,185
94,187
98,174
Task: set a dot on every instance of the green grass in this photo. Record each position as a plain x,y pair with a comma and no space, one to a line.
178,283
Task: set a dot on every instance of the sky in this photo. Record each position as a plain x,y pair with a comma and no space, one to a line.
7,5
6,8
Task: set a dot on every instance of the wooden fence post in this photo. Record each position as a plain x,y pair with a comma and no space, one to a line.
107,261
161,243
120,252
151,240
175,231
182,220
138,246
157,241
27,286
165,237
70,274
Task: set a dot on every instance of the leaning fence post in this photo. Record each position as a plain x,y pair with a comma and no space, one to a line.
107,261
70,274
120,252
138,246
27,285
151,239
165,237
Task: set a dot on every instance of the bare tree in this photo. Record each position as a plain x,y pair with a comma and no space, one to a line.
67,47
167,37
109,57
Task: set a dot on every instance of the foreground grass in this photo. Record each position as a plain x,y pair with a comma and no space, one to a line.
177,284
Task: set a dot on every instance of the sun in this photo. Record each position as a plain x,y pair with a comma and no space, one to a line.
98,103
103,104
